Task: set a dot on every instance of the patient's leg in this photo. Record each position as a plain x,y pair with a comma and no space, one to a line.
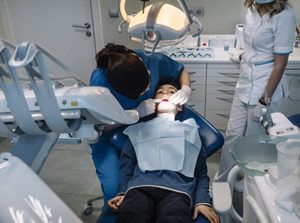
137,207
174,208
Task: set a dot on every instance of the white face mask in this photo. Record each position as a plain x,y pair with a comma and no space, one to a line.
263,1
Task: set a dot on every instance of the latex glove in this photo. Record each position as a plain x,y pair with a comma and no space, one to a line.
257,112
235,57
146,107
181,96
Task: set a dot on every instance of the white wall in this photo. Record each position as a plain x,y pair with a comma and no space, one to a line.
296,7
220,17
2,33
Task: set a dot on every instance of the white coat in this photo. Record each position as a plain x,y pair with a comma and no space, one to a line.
263,38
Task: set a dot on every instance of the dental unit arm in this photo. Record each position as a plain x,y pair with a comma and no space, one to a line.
159,25
36,117
39,114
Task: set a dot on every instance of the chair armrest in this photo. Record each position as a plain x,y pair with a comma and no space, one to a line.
222,199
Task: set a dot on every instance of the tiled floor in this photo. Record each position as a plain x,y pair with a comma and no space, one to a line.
70,173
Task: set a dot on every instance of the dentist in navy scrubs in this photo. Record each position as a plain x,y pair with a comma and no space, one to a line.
132,77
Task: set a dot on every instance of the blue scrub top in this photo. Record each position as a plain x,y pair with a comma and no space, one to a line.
159,65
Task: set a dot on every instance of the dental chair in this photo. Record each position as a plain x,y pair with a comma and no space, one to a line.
212,141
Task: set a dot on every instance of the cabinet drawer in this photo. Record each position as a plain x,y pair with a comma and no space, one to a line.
199,106
218,101
223,66
293,83
231,73
291,104
196,69
222,81
220,89
217,116
198,80
198,93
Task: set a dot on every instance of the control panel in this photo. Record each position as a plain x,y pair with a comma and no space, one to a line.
191,52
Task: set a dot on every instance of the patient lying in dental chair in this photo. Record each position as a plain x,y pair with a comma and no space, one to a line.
163,172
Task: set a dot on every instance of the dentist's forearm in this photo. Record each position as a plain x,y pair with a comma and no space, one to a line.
184,78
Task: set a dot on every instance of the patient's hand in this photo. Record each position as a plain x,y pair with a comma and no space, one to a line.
208,212
116,202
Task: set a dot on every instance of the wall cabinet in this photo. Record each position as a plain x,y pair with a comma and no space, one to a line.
291,104
198,84
213,90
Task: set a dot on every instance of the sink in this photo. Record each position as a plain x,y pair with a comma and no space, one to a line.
256,155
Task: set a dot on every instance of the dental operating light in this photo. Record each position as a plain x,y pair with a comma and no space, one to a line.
159,25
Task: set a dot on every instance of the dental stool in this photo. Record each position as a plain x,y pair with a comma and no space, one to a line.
212,141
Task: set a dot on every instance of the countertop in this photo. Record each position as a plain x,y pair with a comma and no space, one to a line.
221,56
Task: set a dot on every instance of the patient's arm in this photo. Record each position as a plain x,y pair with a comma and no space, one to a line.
208,212
202,180
127,165
202,198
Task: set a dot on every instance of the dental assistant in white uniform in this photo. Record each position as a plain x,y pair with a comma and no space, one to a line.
269,34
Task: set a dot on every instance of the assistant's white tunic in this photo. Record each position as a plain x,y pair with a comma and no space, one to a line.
264,37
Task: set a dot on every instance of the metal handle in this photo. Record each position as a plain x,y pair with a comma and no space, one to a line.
228,83
223,115
222,130
191,72
292,75
235,75
85,26
225,99
226,91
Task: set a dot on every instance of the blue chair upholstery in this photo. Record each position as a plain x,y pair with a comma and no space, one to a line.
212,141
295,119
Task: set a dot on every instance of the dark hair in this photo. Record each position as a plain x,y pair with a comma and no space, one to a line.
125,71
167,81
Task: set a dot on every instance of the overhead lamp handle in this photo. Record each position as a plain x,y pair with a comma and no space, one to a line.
155,43
123,13
120,26
186,11
198,22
